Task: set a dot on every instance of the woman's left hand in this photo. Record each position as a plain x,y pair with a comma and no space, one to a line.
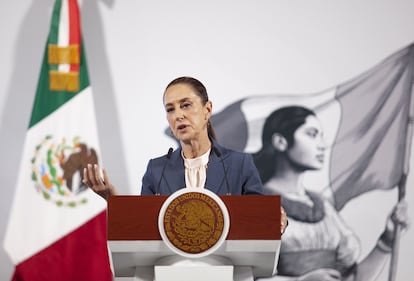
398,217
283,220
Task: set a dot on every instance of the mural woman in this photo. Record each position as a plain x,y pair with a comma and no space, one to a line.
317,245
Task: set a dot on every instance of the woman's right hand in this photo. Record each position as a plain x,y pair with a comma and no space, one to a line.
93,179
321,274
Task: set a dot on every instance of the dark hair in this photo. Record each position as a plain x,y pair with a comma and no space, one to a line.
200,91
284,121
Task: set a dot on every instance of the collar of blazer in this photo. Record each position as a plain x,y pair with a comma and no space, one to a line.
215,182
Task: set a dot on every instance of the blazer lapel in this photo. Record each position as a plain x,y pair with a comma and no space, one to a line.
174,176
174,173
215,174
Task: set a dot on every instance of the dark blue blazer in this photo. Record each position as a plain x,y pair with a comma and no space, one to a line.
241,173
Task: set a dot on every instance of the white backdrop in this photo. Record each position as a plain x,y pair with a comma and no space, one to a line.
236,48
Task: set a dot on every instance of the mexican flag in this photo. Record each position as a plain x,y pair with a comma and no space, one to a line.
57,226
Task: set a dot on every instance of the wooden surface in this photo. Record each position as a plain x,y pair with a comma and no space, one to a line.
252,217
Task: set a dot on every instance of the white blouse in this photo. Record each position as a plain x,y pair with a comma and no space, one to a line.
196,170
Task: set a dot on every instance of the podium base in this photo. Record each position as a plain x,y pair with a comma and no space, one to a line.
209,268
191,273
211,260
186,269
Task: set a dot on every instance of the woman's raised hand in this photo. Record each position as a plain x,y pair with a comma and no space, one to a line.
93,179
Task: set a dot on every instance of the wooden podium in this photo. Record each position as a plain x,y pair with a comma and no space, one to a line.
251,248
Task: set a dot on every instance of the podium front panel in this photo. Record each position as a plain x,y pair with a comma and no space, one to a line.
252,217
253,239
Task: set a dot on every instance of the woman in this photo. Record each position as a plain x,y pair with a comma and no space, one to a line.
318,245
199,161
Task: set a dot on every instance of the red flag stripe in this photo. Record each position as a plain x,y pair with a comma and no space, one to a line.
74,29
79,256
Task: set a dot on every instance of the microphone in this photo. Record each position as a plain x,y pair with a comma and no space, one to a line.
170,150
218,153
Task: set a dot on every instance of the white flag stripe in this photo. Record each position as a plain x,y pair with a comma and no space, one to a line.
63,34
48,223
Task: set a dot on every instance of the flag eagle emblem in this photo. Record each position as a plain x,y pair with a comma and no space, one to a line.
57,169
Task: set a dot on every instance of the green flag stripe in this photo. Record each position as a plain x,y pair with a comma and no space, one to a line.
54,25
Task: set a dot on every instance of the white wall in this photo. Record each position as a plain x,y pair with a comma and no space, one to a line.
237,48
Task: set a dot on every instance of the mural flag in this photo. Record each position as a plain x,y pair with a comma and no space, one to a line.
57,226
365,123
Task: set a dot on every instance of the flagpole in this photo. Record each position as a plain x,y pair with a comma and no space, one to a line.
403,180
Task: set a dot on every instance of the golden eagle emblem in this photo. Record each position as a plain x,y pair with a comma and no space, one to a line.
193,222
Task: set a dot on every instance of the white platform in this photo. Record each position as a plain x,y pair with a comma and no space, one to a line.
239,260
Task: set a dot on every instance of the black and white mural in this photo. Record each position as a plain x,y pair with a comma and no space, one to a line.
353,139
